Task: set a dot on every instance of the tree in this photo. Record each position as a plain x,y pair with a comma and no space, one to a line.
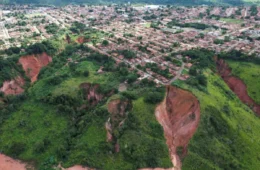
86,73
202,80
193,71
201,35
131,78
154,97
105,43
52,28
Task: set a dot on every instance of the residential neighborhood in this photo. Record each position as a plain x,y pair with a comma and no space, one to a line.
147,38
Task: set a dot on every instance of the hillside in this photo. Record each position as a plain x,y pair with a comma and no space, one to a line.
72,111
62,116
118,88
249,73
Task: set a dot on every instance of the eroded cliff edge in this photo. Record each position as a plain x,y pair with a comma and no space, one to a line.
179,115
236,85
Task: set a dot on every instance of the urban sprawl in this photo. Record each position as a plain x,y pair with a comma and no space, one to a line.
150,33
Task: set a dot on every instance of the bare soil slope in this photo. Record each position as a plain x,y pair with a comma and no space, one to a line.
32,64
7,163
179,114
13,87
236,85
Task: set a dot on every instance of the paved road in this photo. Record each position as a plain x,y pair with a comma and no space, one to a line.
241,30
178,74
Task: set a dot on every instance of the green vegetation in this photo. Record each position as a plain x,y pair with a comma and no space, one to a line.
249,73
253,10
231,20
58,119
24,127
200,26
228,131
78,27
147,24
54,121
227,136
52,28
239,56
218,41
128,54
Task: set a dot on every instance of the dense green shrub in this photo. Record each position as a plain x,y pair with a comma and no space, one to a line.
17,148
153,97
130,95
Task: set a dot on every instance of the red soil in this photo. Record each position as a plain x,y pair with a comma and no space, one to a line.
91,92
81,40
13,87
236,85
179,116
7,163
32,64
118,109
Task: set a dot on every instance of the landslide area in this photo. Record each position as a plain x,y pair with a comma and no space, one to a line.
7,163
179,115
236,85
118,109
32,64
13,87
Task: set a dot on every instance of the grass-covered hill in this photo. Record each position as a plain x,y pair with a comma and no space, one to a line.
228,133
61,117
54,120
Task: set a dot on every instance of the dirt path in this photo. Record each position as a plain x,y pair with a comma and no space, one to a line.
178,74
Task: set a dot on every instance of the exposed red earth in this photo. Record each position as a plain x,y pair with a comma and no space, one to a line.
13,87
117,108
7,163
179,115
81,40
76,167
91,93
79,167
236,85
32,64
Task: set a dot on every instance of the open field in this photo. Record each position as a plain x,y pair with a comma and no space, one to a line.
232,21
